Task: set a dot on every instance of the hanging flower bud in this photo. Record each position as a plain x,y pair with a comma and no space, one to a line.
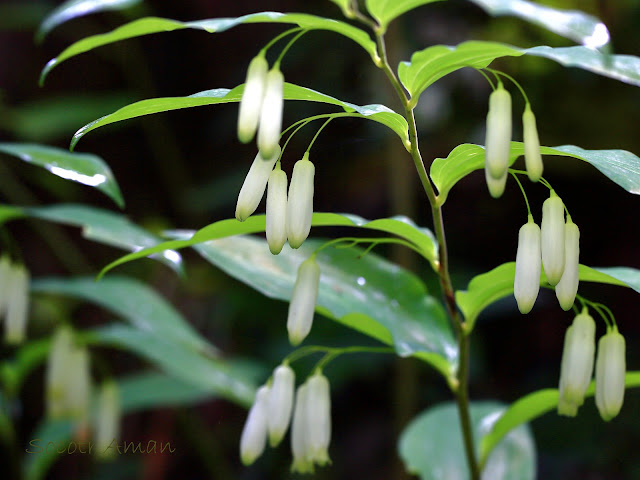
303,300
498,138
302,461
496,186
318,418
276,218
552,231
527,279
577,363
17,290
78,394
254,184
300,202
252,96
5,283
107,419
610,373
280,403
254,434
567,287
58,371
532,156
271,114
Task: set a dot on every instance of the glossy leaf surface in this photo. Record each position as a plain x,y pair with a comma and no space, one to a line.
620,166
368,294
489,287
530,407
149,25
377,113
77,8
386,10
431,446
84,168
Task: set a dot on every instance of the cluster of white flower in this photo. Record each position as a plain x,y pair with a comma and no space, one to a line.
14,300
577,368
271,414
556,247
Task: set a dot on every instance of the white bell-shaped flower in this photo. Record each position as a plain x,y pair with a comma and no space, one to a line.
496,186
567,287
254,184
576,369
498,137
276,214
59,367
552,231
254,433
319,418
610,373
527,278
300,202
303,300
271,113
532,155
107,419
302,460
280,403
79,384
252,97
17,304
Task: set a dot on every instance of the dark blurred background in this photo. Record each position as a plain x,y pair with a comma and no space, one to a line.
183,170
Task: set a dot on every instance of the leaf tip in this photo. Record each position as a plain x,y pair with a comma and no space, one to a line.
45,71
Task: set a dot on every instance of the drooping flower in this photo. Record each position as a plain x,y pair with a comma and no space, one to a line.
57,375
254,184
79,384
532,155
302,461
300,202
567,287
496,186
553,244
5,283
16,288
252,99
610,373
276,214
280,403
577,363
271,113
107,419
527,278
498,137
254,433
303,300
318,418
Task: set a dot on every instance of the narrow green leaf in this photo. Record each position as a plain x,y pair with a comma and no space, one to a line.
431,446
99,225
131,300
489,287
620,166
77,8
575,25
377,113
83,168
149,25
386,10
422,238
178,361
368,294
529,408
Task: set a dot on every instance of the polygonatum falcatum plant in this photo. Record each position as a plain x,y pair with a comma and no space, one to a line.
341,278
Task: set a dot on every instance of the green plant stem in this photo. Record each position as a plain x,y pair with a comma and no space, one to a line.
460,386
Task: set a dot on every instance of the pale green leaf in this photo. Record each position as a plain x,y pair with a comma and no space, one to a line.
529,408
131,300
84,168
97,224
422,238
386,10
368,294
149,25
431,446
377,113
487,288
77,8
620,166
575,25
